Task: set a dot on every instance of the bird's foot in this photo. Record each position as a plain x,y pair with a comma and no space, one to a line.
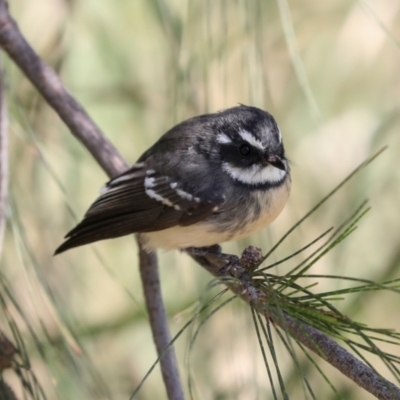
228,264
213,255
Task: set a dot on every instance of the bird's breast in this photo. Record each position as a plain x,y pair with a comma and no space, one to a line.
240,217
263,209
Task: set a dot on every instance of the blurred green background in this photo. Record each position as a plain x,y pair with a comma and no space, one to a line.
328,71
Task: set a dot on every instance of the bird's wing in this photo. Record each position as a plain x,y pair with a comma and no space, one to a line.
139,200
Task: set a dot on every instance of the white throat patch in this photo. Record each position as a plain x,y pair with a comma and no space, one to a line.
256,174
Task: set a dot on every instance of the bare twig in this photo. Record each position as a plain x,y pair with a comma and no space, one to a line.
84,129
305,334
3,159
157,314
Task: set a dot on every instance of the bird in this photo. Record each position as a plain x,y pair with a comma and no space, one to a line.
210,179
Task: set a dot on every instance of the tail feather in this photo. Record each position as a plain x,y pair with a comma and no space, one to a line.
91,230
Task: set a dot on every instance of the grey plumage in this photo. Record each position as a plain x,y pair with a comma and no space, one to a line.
193,175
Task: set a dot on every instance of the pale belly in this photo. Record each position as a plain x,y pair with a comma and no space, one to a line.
205,234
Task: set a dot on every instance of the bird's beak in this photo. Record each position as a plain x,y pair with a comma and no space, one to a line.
276,162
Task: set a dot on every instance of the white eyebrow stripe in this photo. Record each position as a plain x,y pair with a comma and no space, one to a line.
222,138
280,136
250,139
255,174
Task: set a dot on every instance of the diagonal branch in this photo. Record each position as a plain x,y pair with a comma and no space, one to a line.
85,130
47,82
339,358
3,159
310,337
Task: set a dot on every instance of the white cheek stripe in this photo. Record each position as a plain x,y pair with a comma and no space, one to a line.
250,139
255,174
222,138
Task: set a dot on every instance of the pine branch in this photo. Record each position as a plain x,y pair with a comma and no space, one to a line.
237,275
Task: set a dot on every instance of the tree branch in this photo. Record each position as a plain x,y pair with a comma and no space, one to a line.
52,89
86,131
310,337
339,358
158,319
3,158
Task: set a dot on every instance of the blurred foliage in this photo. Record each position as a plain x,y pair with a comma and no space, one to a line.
328,72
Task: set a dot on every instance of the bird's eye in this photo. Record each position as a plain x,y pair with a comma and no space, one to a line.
244,149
